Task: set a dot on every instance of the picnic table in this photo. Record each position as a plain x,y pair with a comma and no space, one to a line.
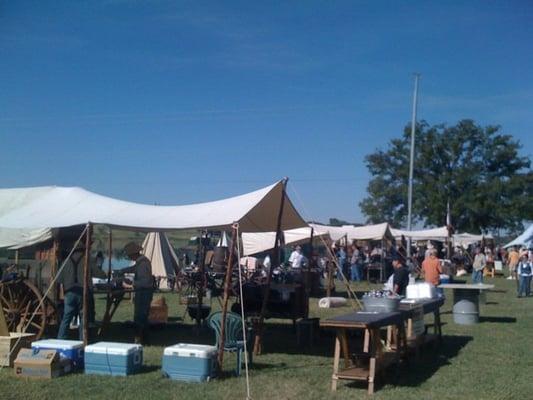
378,356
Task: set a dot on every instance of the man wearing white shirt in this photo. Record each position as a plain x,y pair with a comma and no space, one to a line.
296,259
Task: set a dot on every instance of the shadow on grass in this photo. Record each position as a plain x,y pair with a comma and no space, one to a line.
503,320
416,372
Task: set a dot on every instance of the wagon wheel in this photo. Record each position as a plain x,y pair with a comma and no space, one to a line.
20,299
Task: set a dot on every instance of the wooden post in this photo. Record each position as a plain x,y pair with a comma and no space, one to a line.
109,272
85,315
54,257
201,284
307,280
16,257
275,262
227,285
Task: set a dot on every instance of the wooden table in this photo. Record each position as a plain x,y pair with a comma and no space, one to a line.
378,357
114,298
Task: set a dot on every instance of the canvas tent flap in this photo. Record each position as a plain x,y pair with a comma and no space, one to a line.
525,239
438,234
18,238
56,207
258,242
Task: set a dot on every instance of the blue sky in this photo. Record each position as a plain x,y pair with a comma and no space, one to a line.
179,102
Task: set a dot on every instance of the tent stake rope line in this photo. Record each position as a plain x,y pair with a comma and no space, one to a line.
52,284
355,301
248,397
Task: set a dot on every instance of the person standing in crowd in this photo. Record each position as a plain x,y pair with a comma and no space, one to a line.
525,272
400,278
71,278
431,268
356,264
296,259
513,258
143,284
341,258
478,265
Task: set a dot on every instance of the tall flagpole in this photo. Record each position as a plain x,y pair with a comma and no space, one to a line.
411,164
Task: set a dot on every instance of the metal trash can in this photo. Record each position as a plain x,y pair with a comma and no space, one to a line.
466,306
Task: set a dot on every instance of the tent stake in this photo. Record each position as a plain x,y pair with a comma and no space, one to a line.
276,262
227,284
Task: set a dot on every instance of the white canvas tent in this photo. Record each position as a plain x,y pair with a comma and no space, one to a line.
525,239
42,208
258,242
438,234
158,249
367,232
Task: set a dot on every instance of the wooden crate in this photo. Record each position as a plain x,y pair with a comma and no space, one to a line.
10,346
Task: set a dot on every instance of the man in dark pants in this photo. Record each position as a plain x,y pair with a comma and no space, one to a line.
401,276
143,284
71,278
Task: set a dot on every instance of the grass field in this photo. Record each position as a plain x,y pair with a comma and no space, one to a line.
491,360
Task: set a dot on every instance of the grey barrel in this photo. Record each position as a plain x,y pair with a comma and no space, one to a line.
466,306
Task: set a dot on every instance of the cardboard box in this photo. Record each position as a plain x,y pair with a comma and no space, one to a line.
10,346
45,364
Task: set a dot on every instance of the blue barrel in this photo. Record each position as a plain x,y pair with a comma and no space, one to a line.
465,306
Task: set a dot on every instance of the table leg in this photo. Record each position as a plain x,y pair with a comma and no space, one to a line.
366,341
336,357
374,342
438,326
345,349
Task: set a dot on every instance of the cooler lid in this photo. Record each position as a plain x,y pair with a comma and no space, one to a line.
113,348
57,344
190,350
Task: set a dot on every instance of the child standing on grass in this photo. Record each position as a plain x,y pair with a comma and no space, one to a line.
524,272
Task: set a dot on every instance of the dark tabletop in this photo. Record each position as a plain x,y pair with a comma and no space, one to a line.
363,320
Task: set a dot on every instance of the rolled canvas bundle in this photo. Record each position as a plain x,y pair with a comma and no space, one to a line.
332,302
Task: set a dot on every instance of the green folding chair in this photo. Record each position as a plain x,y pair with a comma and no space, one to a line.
233,336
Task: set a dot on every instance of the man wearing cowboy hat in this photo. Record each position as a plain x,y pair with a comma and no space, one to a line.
143,284
71,277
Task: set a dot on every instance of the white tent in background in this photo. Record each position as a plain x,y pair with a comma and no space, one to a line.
466,239
56,207
159,251
438,234
525,239
224,241
258,242
367,232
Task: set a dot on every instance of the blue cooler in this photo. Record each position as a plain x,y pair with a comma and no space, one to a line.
190,362
69,349
109,358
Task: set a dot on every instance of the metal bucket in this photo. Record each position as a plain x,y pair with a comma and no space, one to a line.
381,304
466,307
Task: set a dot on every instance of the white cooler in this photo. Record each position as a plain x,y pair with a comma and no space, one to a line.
110,358
190,362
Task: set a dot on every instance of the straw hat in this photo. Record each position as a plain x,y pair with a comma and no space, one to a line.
132,248
524,253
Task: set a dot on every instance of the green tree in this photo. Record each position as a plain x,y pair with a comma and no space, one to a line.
478,170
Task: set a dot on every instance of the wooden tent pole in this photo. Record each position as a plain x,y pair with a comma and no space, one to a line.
227,285
275,263
308,277
85,316
53,268
109,272
201,284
